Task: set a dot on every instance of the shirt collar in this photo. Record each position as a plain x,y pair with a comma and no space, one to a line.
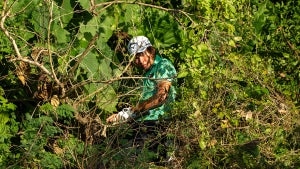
156,61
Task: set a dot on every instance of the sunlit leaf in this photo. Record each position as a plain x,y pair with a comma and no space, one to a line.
85,4
182,74
107,98
237,38
202,144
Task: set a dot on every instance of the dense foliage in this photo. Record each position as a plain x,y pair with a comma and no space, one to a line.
64,69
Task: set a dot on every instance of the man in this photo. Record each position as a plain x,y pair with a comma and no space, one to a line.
158,89
157,95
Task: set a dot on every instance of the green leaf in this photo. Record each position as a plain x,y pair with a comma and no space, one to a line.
90,64
66,12
237,38
260,18
46,108
286,55
92,27
65,111
167,31
107,99
85,4
62,35
4,129
105,70
40,21
25,6
202,144
105,95
183,74
107,26
231,43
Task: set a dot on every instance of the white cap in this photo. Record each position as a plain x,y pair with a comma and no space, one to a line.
138,44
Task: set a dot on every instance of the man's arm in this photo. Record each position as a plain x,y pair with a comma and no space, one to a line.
156,100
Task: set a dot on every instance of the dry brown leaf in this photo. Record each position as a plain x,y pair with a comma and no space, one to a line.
55,101
212,142
57,149
282,111
21,77
282,75
23,69
249,115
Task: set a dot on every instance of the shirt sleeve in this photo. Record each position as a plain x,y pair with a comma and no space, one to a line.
166,71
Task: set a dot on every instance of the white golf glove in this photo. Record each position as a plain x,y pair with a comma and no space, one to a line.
125,114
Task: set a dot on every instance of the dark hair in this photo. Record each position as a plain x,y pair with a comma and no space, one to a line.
151,50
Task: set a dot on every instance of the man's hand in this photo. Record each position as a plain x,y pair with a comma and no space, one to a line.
123,115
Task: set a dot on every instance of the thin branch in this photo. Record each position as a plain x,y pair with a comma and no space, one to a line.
3,77
106,4
90,95
4,15
102,9
118,78
87,50
61,85
49,41
33,63
23,9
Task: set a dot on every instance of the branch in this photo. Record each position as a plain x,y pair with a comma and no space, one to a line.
42,67
109,81
4,15
61,85
90,95
91,44
107,4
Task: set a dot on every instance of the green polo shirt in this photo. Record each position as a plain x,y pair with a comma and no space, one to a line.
162,69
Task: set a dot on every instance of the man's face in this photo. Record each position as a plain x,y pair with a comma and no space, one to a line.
144,60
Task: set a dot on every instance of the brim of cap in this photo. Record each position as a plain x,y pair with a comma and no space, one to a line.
140,50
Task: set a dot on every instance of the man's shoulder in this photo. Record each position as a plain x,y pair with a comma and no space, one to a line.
166,64
165,60
165,69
